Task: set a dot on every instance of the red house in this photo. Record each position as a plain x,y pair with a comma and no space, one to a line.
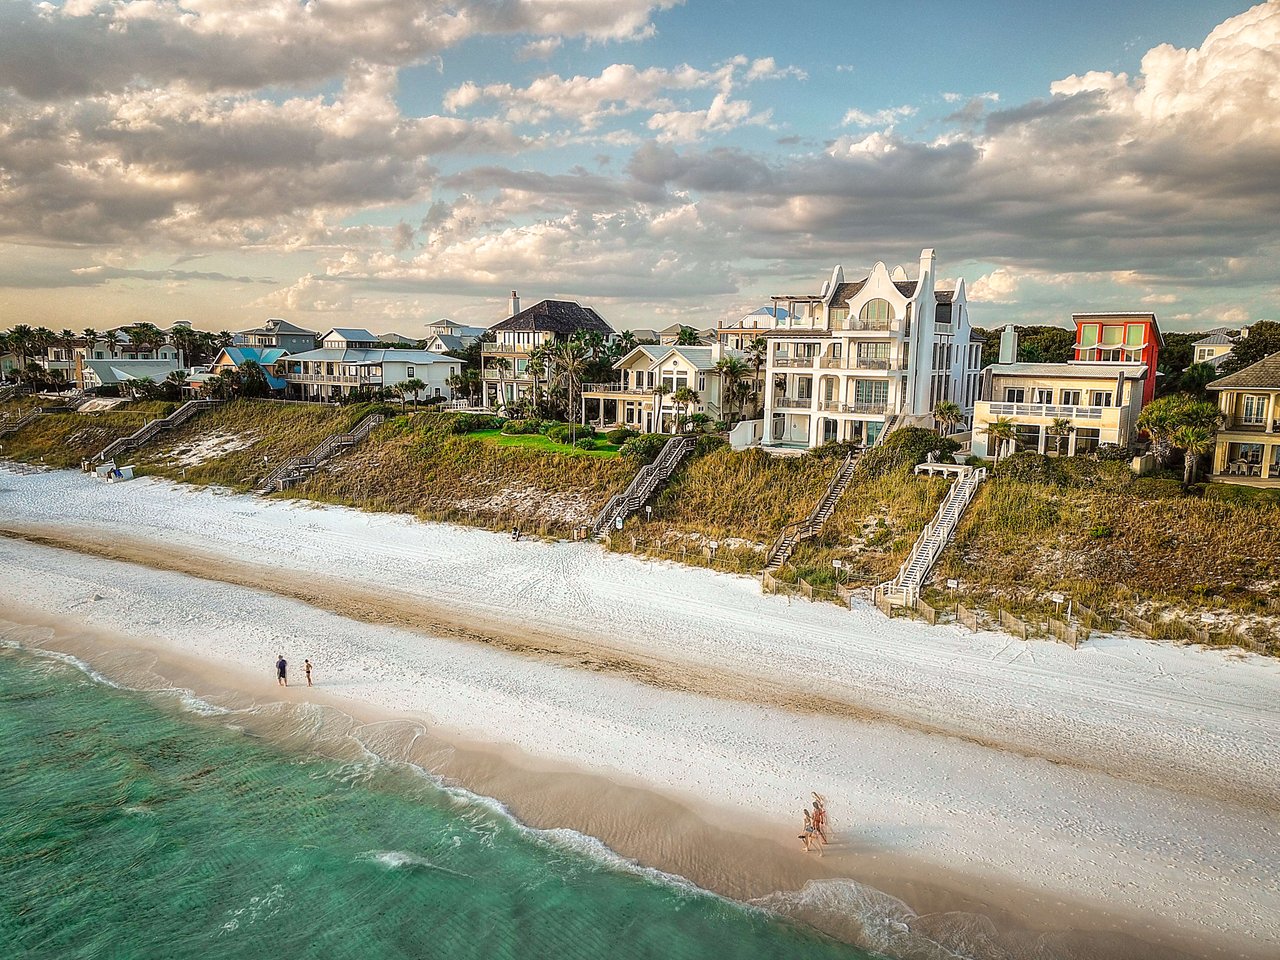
1123,338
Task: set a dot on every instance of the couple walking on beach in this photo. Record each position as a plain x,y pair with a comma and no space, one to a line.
815,825
282,670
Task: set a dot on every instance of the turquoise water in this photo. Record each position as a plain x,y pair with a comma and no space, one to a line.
129,828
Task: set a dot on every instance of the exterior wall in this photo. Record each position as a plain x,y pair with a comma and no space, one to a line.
833,374
1114,422
1248,446
1144,347
1210,352
434,374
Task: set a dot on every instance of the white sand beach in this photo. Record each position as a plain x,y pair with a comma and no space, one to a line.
1128,787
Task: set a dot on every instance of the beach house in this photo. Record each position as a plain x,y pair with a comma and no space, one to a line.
1073,407
738,333
331,373
863,357
277,334
1247,449
445,335
644,397
505,373
1215,346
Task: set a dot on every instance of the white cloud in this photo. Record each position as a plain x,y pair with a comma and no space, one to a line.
539,49
308,294
998,286
858,118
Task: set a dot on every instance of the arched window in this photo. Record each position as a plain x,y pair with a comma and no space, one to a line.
875,310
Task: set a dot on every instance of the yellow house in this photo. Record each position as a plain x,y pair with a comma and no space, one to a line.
630,402
1212,348
1100,400
1248,446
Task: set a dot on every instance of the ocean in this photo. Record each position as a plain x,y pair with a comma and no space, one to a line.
143,825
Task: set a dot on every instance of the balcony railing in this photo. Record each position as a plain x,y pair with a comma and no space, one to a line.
616,388
1048,410
835,406
338,378
509,347
804,362
858,325
1241,425
792,403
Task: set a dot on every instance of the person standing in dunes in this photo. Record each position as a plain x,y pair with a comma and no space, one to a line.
306,667
282,671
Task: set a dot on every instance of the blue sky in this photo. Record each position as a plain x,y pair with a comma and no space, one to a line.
390,163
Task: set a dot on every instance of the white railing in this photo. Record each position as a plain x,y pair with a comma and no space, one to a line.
334,378
937,533
295,468
615,388
1048,410
794,362
149,430
834,406
793,533
643,485
793,403
859,325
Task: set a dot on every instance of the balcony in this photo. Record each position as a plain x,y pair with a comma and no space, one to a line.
1241,425
858,325
862,409
1048,410
616,388
792,403
805,363
524,349
341,379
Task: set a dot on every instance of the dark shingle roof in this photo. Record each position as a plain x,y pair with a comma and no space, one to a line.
906,287
1264,375
561,317
944,296
846,291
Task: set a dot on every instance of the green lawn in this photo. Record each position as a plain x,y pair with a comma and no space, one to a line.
537,441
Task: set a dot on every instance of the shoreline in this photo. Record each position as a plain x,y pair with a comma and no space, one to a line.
664,693
747,861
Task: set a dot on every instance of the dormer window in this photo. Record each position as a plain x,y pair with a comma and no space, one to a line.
875,310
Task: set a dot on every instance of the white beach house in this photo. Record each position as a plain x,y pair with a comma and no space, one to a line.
866,356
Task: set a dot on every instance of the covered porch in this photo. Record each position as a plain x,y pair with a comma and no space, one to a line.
1252,461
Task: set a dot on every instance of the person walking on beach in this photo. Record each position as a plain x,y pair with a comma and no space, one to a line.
820,818
282,671
306,666
810,836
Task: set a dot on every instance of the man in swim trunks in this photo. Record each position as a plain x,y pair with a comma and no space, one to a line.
306,666
282,667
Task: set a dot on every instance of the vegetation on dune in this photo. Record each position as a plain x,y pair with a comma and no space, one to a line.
420,465
227,445
1095,532
65,439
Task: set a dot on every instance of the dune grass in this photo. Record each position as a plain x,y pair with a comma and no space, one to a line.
63,440
227,445
417,465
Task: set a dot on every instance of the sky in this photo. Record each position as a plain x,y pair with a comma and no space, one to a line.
385,163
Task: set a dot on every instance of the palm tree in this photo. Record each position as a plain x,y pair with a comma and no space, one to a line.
627,341
570,358
948,415
503,366
732,371
999,432
1195,441
660,390
1161,419
687,337
684,398
22,339
113,340
1060,429
757,352
413,385
90,341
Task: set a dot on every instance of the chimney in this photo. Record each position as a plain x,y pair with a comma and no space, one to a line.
515,304
1009,345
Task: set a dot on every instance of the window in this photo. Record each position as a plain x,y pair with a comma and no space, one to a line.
839,314
1099,398
1087,439
1134,334
1088,335
1203,354
1026,436
702,382
875,392
1041,395
1112,336
875,310
1255,410
1014,394
1070,398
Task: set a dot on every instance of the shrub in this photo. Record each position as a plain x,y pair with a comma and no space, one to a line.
474,422
707,443
905,447
586,443
1111,451
644,448
570,432
620,436
1102,531
522,426
832,450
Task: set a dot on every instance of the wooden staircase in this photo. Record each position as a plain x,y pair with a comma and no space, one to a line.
904,589
150,430
13,426
296,469
643,485
793,533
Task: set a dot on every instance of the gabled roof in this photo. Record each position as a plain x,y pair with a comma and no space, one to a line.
264,356
394,338
944,296
1214,340
118,371
448,341
351,333
1263,375
906,287
844,292
700,358
561,317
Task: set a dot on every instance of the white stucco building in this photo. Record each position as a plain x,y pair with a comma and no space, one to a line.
867,355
